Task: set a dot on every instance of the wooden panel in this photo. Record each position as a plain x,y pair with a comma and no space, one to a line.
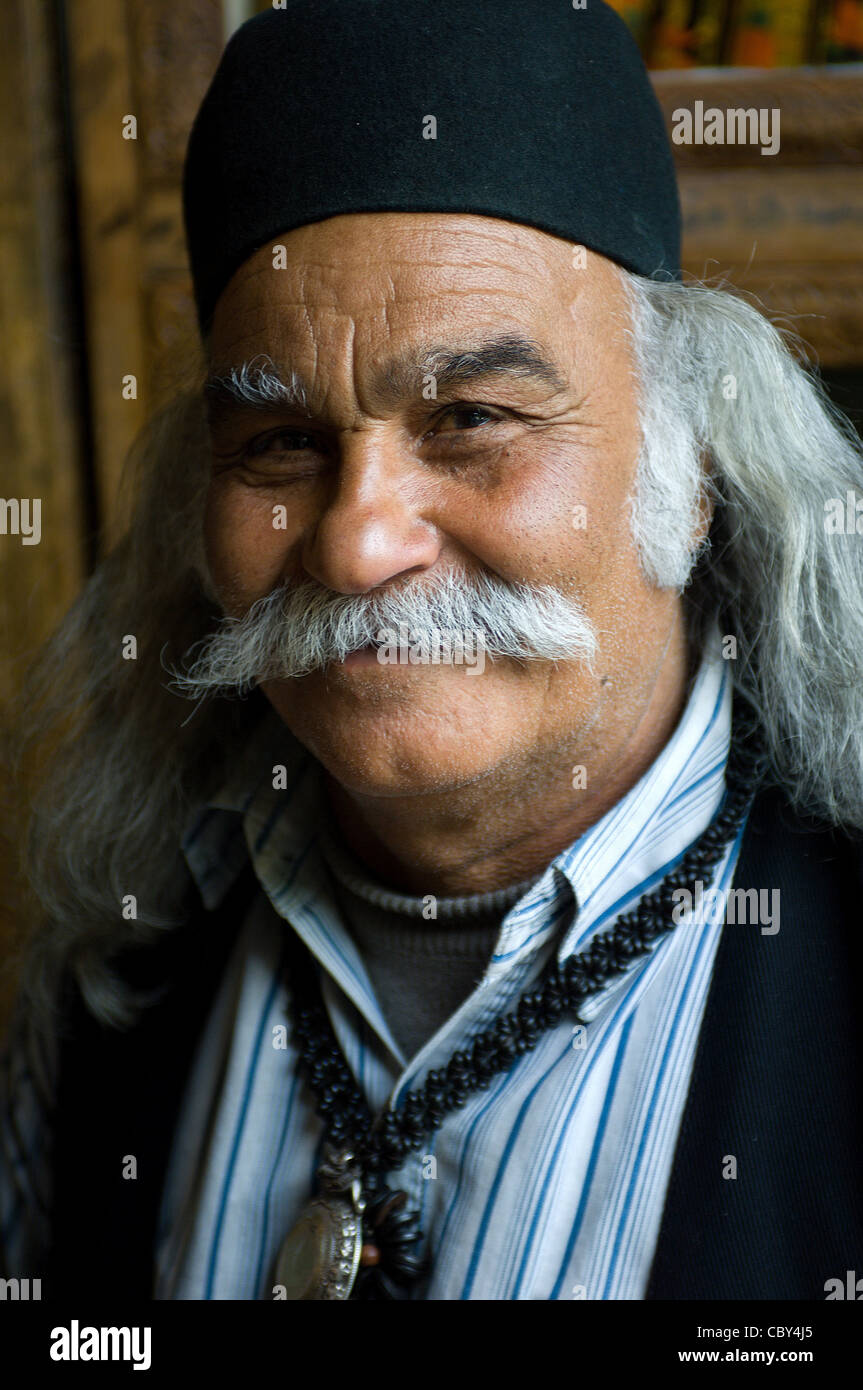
801,215
169,40
100,70
821,303
786,227
41,419
154,62
39,399
821,112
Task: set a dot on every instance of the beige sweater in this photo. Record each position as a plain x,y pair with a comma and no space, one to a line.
421,968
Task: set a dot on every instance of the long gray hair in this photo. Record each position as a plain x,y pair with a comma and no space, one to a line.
124,757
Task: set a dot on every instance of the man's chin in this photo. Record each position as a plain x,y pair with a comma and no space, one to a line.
398,733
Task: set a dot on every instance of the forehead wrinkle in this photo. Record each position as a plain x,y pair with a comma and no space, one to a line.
323,276
507,253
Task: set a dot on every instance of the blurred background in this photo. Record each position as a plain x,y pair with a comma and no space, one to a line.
93,281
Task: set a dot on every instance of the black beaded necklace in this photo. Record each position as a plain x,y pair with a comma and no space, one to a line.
356,1239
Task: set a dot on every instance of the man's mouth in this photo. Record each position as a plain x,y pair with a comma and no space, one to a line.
362,656
412,649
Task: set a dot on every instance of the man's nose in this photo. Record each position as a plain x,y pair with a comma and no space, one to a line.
375,525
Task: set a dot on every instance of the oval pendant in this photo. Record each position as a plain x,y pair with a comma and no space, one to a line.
320,1255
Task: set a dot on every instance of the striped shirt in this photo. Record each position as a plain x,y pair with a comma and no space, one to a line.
550,1183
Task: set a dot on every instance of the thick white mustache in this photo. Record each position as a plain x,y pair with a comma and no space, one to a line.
294,631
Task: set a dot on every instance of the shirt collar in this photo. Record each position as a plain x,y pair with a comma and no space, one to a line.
631,848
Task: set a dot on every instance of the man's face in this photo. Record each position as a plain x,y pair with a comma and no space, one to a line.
522,475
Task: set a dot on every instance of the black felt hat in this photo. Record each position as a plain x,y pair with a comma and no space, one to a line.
529,110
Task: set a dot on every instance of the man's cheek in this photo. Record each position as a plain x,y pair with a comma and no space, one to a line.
245,550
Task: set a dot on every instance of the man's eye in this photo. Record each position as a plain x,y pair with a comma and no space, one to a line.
469,417
279,442
268,450
464,417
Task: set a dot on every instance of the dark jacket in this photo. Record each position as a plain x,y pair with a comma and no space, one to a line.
777,1085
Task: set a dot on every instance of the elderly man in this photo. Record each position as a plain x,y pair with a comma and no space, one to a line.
488,928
